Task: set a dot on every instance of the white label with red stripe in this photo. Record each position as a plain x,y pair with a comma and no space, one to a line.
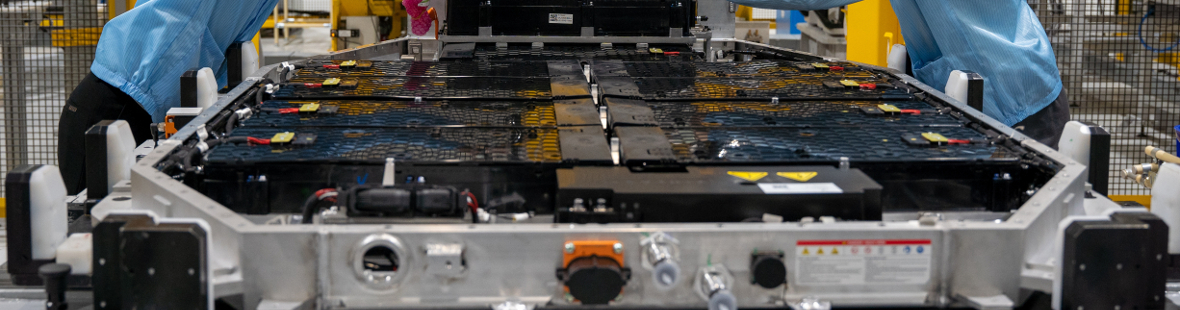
858,262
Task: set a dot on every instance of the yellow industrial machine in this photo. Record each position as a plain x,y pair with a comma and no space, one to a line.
366,22
353,22
116,7
871,30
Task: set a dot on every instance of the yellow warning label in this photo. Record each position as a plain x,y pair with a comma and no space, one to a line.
834,251
309,107
799,176
820,251
805,252
749,175
888,108
934,137
282,137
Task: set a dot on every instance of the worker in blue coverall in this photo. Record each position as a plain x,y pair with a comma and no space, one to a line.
1002,40
137,67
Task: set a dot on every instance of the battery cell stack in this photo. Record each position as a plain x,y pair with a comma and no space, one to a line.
783,112
496,129
520,127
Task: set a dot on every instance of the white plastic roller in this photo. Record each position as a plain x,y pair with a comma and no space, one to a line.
47,211
1165,202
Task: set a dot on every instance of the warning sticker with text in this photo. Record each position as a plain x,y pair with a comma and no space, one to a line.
559,18
873,261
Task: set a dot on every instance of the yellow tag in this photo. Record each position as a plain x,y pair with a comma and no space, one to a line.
282,137
656,50
364,64
331,82
820,66
889,108
799,176
934,137
849,83
348,63
310,107
748,175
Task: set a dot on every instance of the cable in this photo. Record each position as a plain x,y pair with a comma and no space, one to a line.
212,143
471,202
309,205
258,96
230,123
1150,12
257,141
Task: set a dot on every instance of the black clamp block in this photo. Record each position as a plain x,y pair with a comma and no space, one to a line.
141,264
1116,263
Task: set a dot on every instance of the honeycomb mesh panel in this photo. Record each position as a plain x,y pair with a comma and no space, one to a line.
755,145
407,113
423,68
555,52
738,88
425,87
792,113
423,145
760,68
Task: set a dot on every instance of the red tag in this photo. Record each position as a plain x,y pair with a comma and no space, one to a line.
331,66
868,86
957,141
313,85
288,110
912,112
671,53
836,68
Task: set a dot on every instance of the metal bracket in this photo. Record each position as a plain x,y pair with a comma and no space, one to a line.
811,303
997,302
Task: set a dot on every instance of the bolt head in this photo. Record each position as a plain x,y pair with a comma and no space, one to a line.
569,247
618,248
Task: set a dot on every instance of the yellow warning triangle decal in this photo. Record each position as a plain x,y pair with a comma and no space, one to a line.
748,175
821,251
799,176
834,251
805,251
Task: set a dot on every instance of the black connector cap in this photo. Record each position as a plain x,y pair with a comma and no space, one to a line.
436,201
384,200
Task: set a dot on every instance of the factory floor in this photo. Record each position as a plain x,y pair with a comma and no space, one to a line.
304,43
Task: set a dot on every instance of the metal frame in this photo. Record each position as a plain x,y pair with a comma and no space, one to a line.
297,263
978,263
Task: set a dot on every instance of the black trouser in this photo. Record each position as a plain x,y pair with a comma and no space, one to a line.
91,102
1046,125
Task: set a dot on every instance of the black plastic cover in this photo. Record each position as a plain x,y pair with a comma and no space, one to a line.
716,194
568,17
1115,263
384,200
435,201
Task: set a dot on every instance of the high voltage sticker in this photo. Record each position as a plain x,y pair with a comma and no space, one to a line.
751,176
858,262
799,176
